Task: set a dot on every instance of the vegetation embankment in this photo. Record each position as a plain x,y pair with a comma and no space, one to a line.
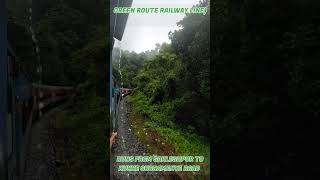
81,126
170,142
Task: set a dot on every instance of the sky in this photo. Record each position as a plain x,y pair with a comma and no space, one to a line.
143,31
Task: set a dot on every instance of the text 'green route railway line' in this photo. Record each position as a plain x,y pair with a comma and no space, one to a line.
162,10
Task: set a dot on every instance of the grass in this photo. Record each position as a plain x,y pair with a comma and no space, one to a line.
163,137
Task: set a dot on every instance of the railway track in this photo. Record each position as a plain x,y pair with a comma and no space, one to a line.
41,162
128,145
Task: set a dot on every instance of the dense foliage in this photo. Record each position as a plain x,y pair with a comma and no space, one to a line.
266,88
73,42
171,86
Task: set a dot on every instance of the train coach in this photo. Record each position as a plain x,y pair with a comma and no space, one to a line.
23,103
17,102
126,91
117,27
115,99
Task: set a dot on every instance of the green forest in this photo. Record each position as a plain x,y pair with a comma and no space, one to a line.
265,84
263,73
171,86
73,42
171,89
171,82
